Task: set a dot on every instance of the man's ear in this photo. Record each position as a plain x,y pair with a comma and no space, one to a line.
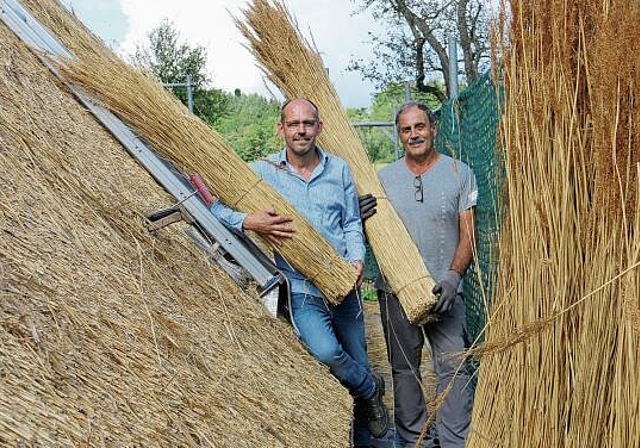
320,126
280,128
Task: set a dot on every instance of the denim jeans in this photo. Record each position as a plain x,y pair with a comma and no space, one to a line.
335,336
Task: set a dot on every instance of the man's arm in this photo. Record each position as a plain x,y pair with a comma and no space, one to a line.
267,223
270,225
227,215
447,288
463,255
464,252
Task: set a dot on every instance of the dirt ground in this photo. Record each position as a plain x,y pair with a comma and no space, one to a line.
378,353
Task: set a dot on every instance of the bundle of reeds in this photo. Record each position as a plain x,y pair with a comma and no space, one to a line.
296,68
569,281
189,143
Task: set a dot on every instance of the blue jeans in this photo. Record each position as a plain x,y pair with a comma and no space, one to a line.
335,336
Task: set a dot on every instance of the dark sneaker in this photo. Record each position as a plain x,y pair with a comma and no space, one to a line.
375,409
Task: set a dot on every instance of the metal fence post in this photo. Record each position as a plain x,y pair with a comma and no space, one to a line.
453,67
407,91
189,93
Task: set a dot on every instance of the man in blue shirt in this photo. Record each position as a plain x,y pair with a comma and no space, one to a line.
320,187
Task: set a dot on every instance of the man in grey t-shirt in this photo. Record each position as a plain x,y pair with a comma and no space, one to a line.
434,196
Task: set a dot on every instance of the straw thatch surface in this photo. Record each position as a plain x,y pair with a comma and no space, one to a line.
561,367
110,336
296,68
184,139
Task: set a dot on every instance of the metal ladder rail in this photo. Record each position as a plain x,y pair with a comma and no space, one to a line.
35,35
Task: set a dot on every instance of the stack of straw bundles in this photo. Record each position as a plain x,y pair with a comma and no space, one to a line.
570,244
297,70
185,140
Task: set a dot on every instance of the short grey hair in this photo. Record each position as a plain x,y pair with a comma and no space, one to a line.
423,107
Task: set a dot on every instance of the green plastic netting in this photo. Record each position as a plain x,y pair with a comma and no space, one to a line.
467,130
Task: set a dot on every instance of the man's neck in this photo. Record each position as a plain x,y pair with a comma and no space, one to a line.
420,165
303,164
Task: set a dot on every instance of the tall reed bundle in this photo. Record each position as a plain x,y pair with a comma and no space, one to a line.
185,140
110,336
570,246
296,68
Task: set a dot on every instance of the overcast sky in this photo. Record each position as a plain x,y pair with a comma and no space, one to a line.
339,35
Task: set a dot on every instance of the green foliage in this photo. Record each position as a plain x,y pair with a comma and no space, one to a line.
249,126
172,61
211,105
380,147
374,141
392,97
368,291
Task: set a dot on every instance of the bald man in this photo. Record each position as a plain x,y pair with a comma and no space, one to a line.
319,185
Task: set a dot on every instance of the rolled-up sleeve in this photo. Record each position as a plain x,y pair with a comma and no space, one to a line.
468,192
228,215
352,224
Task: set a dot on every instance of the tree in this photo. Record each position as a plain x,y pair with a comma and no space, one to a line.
172,61
415,43
249,127
380,148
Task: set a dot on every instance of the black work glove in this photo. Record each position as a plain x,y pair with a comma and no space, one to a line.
367,203
446,290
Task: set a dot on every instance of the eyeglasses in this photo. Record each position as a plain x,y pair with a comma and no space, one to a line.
417,184
294,125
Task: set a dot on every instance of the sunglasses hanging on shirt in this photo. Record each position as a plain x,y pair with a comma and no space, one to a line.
418,193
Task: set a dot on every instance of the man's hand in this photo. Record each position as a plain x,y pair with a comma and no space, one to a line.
446,290
367,203
270,225
359,267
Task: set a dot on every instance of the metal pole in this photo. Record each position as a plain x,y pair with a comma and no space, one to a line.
189,86
396,142
189,93
453,67
407,91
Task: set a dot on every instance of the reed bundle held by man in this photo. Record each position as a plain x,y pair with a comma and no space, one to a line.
297,69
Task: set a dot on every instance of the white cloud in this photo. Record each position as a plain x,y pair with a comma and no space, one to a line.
338,35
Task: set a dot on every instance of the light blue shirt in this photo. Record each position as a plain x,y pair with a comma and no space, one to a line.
328,201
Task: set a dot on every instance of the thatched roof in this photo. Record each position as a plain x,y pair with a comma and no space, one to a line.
111,336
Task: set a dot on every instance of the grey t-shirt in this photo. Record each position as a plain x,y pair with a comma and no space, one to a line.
448,188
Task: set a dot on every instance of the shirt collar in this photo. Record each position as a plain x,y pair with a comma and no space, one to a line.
322,156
